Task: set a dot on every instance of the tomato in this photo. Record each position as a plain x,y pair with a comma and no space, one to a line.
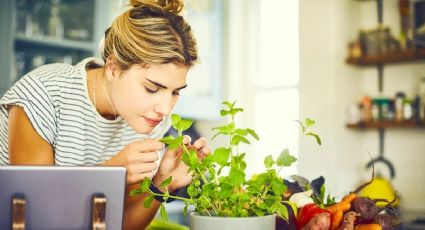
307,212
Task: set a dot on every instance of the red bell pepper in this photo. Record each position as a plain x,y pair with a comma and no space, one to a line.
307,213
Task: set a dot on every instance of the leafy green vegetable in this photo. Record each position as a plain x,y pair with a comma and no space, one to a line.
230,195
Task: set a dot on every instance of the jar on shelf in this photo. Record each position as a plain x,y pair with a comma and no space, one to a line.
407,105
399,107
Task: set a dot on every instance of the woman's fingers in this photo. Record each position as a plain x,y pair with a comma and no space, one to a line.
187,140
137,172
146,145
144,157
142,168
201,142
205,150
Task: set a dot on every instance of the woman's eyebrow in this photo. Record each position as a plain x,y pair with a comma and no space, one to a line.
163,86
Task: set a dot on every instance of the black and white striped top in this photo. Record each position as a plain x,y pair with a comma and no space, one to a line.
55,99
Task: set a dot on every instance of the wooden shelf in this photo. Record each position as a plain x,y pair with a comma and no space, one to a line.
399,57
386,124
55,42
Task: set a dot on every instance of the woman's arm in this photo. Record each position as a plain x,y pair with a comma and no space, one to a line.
26,146
136,216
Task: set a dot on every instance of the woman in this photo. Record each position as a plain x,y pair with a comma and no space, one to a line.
109,112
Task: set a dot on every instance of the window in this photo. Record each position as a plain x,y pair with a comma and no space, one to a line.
276,100
202,99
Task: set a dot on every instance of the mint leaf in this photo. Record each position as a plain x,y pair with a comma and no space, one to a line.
315,136
253,134
224,112
237,177
135,192
282,211
192,191
168,139
191,159
278,186
227,129
221,156
225,191
228,104
163,212
185,210
309,122
268,161
285,159
175,118
173,143
176,143
238,162
144,186
184,124
148,201
166,182
240,132
237,139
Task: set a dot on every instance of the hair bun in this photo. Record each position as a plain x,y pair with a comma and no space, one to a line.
173,6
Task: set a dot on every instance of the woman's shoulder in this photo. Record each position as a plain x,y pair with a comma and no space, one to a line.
59,75
54,72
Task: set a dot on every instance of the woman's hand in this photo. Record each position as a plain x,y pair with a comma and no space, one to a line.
138,158
172,164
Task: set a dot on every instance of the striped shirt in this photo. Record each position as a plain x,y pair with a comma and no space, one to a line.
55,99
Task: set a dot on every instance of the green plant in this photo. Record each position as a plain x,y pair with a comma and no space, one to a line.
214,193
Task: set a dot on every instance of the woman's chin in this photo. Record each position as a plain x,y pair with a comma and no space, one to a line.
142,128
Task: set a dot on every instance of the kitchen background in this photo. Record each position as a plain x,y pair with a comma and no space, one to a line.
281,61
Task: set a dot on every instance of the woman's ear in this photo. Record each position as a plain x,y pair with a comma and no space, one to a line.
112,70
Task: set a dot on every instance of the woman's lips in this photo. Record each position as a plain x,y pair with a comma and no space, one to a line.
152,122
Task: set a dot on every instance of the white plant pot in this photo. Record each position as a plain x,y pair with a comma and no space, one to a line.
198,222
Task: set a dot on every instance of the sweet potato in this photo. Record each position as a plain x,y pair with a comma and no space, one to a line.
321,221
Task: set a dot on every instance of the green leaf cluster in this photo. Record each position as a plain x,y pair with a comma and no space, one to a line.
214,193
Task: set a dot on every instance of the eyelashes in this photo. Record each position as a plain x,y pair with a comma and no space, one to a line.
151,91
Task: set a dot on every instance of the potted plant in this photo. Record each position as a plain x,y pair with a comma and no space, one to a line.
229,200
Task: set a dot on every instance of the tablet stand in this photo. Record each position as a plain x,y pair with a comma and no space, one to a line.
98,221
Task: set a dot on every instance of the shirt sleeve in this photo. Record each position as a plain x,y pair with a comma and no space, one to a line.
30,94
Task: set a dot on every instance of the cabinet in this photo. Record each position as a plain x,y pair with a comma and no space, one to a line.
379,61
39,32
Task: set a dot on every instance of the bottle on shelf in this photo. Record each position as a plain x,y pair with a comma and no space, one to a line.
399,109
55,23
407,105
366,108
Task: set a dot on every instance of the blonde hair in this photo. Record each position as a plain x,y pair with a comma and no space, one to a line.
151,32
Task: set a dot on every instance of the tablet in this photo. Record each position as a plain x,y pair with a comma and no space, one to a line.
61,197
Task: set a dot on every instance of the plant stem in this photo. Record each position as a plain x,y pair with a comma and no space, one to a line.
171,196
266,190
208,212
212,205
203,178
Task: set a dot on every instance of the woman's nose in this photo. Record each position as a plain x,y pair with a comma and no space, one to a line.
164,106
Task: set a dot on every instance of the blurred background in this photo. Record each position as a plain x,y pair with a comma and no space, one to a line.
355,67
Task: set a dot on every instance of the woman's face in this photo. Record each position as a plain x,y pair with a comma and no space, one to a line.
144,96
